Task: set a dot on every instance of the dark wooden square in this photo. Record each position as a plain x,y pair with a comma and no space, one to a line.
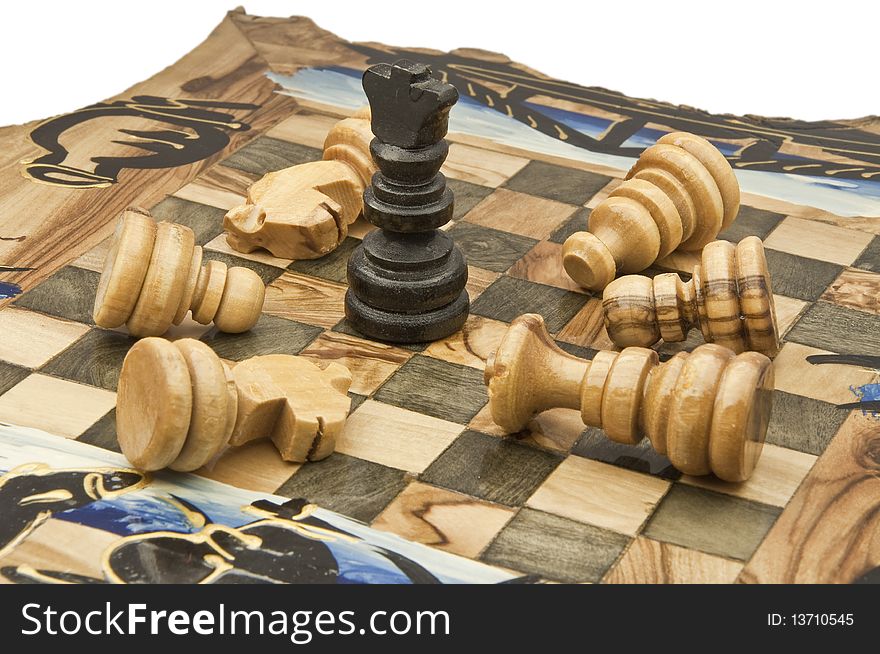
802,423
68,293
489,248
555,548
10,375
577,223
557,182
509,297
265,154
103,433
578,350
594,444
205,221
799,277
837,329
869,259
711,522
271,335
331,266
668,350
436,388
351,486
467,196
751,221
95,359
495,469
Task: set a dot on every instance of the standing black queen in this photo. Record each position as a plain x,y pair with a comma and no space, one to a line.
407,279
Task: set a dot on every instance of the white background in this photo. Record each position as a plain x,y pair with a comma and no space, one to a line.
809,60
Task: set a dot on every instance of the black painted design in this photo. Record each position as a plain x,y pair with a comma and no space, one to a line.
167,146
30,494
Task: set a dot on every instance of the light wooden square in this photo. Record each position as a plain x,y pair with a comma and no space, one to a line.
370,362
220,186
305,129
209,195
827,382
543,264
816,240
776,477
94,258
255,466
519,213
307,299
603,193
856,289
648,561
54,405
788,310
556,429
472,344
587,328
395,437
360,228
479,280
443,519
30,339
480,166
220,244
599,494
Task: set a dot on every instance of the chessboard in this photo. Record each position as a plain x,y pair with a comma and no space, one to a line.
420,456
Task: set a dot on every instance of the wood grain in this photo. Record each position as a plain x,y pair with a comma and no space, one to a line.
370,363
311,300
472,344
543,264
648,561
443,519
830,531
856,289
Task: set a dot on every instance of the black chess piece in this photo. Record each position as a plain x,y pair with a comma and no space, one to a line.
407,279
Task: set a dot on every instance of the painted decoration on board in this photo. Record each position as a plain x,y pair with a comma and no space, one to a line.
141,133
74,513
829,165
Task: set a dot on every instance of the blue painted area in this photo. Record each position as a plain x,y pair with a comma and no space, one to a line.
868,393
8,289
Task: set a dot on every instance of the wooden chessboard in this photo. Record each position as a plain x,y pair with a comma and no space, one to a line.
420,455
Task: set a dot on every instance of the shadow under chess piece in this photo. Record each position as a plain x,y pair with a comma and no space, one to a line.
407,279
178,404
707,411
153,276
729,298
303,212
679,194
